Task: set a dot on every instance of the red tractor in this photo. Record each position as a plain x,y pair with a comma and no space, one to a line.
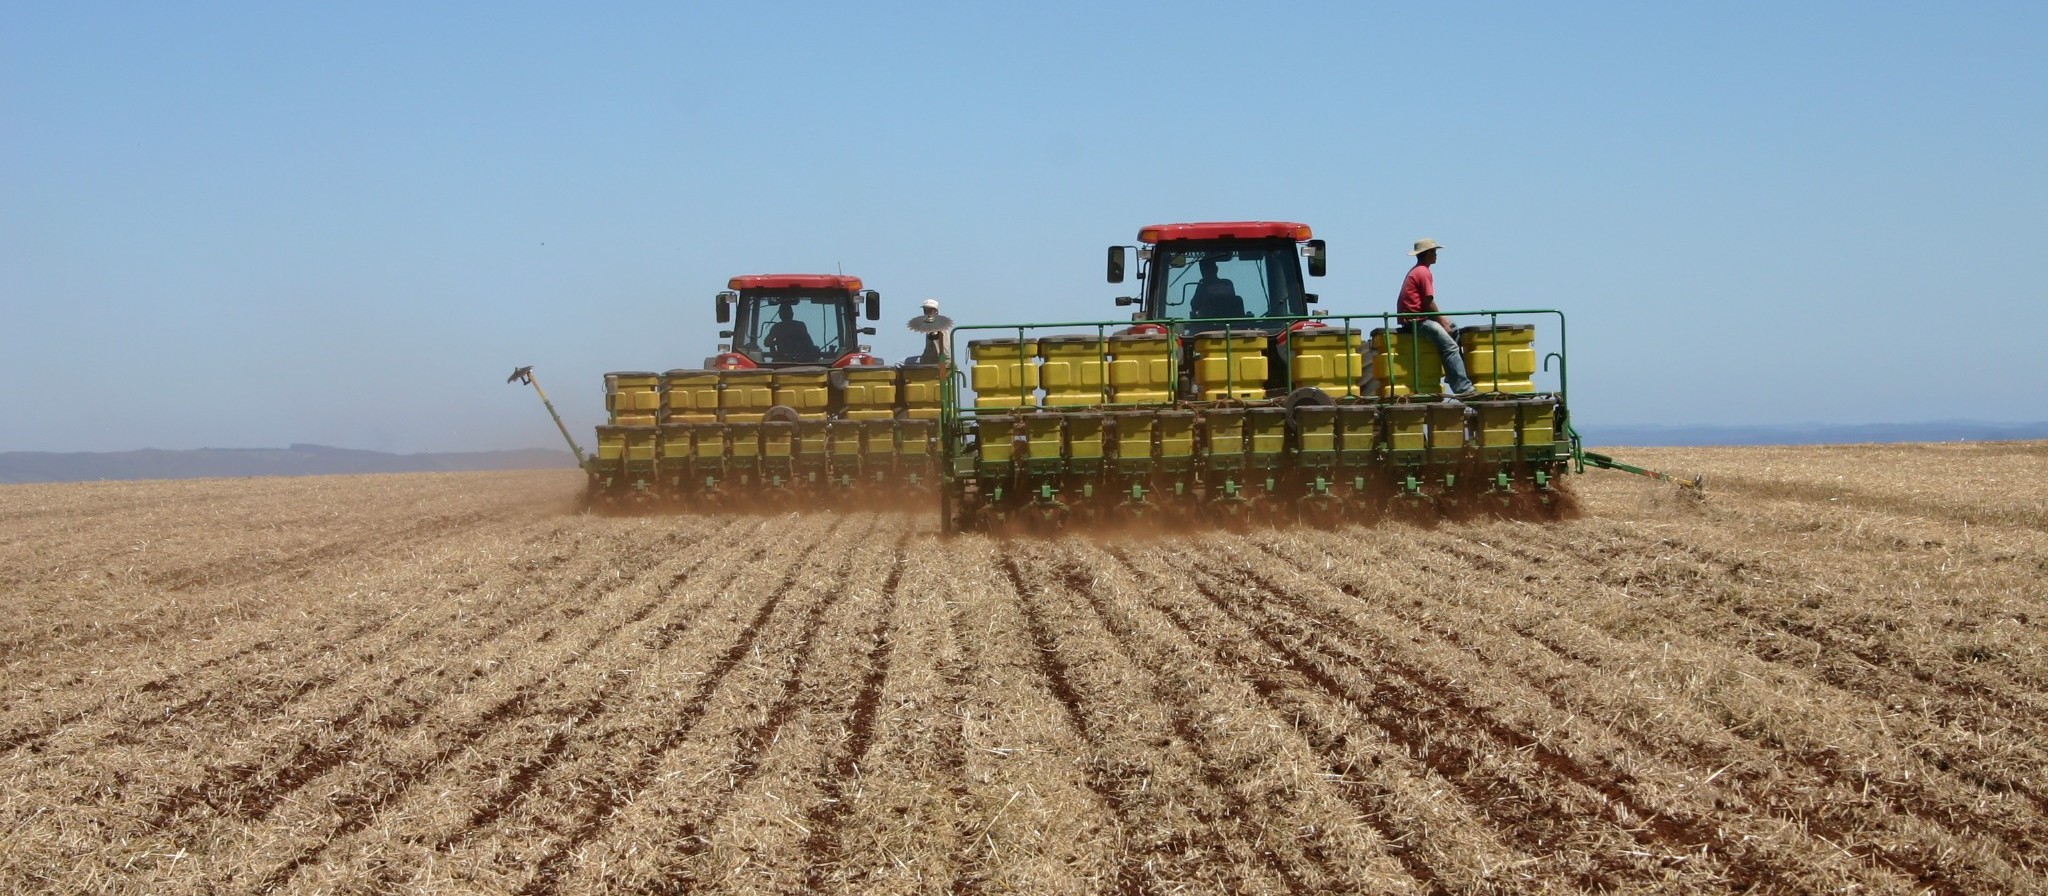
794,320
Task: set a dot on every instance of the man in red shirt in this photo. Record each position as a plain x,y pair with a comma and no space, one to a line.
1418,297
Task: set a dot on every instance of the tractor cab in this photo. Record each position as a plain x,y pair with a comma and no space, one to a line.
795,320
1248,272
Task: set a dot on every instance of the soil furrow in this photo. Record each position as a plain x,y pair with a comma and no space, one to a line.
250,790
1101,774
359,809
1822,817
1214,770
1430,707
272,653
830,812
587,816
1825,766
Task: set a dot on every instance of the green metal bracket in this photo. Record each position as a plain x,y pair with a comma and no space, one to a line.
1697,483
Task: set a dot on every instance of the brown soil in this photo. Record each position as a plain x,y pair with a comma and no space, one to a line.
1829,675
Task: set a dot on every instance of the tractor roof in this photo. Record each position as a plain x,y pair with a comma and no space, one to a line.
1224,230
795,281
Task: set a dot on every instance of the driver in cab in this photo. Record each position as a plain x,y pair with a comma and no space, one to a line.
1215,296
789,339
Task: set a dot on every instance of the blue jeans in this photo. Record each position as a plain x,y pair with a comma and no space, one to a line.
1447,346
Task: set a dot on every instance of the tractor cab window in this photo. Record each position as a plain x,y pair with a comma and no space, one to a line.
792,327
1206,281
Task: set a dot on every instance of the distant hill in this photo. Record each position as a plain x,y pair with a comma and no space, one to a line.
297,460
317,460
1813,434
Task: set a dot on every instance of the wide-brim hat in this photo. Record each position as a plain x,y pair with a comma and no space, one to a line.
1424,245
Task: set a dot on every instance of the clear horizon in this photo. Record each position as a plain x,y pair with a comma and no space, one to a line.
249,224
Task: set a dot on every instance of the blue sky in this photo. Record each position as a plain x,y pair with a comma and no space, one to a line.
251,224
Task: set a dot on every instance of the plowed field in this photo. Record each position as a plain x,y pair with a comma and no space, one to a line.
1830,676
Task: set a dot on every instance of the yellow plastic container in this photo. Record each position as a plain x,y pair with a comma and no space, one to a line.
611,443
707,441
880,436
1318,429
1407,427
1268,428
812,437
1005,372
995,440
1141,368
1133,435
1446,426
1403,364
1084,437
1329,358
691,396
807,390
1230,364
640,442
747,394
746,440
1073,373
1538,422
673,447
869,393
778,440
632,398
1042,436
1225,429
918,390
845,439
1495,423
1176,434
1358,431
1500,358
914,438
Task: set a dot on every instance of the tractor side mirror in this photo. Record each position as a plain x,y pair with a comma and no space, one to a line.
1126,300
725,334
724,301
1311,298
1318,258
874,300
867,331
1116,264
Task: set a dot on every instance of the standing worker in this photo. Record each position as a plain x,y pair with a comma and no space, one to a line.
1418,296
938,332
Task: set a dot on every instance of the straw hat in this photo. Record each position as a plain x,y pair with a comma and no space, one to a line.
1424,245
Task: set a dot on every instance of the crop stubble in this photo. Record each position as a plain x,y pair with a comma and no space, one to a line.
1829,675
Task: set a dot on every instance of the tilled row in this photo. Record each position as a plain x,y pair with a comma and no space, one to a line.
1914,825
1977,735
1737,695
